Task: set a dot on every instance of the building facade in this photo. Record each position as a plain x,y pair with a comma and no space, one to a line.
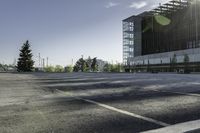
154,38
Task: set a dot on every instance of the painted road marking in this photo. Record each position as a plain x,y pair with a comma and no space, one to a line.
117,110
178,128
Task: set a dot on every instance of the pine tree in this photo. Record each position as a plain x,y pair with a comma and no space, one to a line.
25,62
186,61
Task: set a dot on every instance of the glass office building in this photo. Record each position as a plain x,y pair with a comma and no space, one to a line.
131,39
153,37
128,41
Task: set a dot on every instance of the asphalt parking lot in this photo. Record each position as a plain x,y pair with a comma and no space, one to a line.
99,103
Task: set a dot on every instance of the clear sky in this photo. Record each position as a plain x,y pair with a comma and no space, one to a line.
66,29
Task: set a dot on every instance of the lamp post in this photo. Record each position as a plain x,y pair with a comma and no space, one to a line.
196,22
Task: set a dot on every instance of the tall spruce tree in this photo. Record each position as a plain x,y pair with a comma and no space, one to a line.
25,62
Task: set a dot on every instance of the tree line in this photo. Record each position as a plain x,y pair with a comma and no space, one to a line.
86,65
186,62
26,64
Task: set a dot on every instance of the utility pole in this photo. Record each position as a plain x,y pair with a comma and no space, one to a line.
47,64
43,63
39,60
14,62
72,62
196,23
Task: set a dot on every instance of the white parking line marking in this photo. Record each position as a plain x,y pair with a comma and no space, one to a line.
178,128
119,110
126,112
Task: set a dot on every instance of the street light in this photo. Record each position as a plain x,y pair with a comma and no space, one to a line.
196,22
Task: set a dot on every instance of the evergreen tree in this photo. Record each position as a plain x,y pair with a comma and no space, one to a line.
25,62
173,63
94,65
89,63
148,66
186,61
